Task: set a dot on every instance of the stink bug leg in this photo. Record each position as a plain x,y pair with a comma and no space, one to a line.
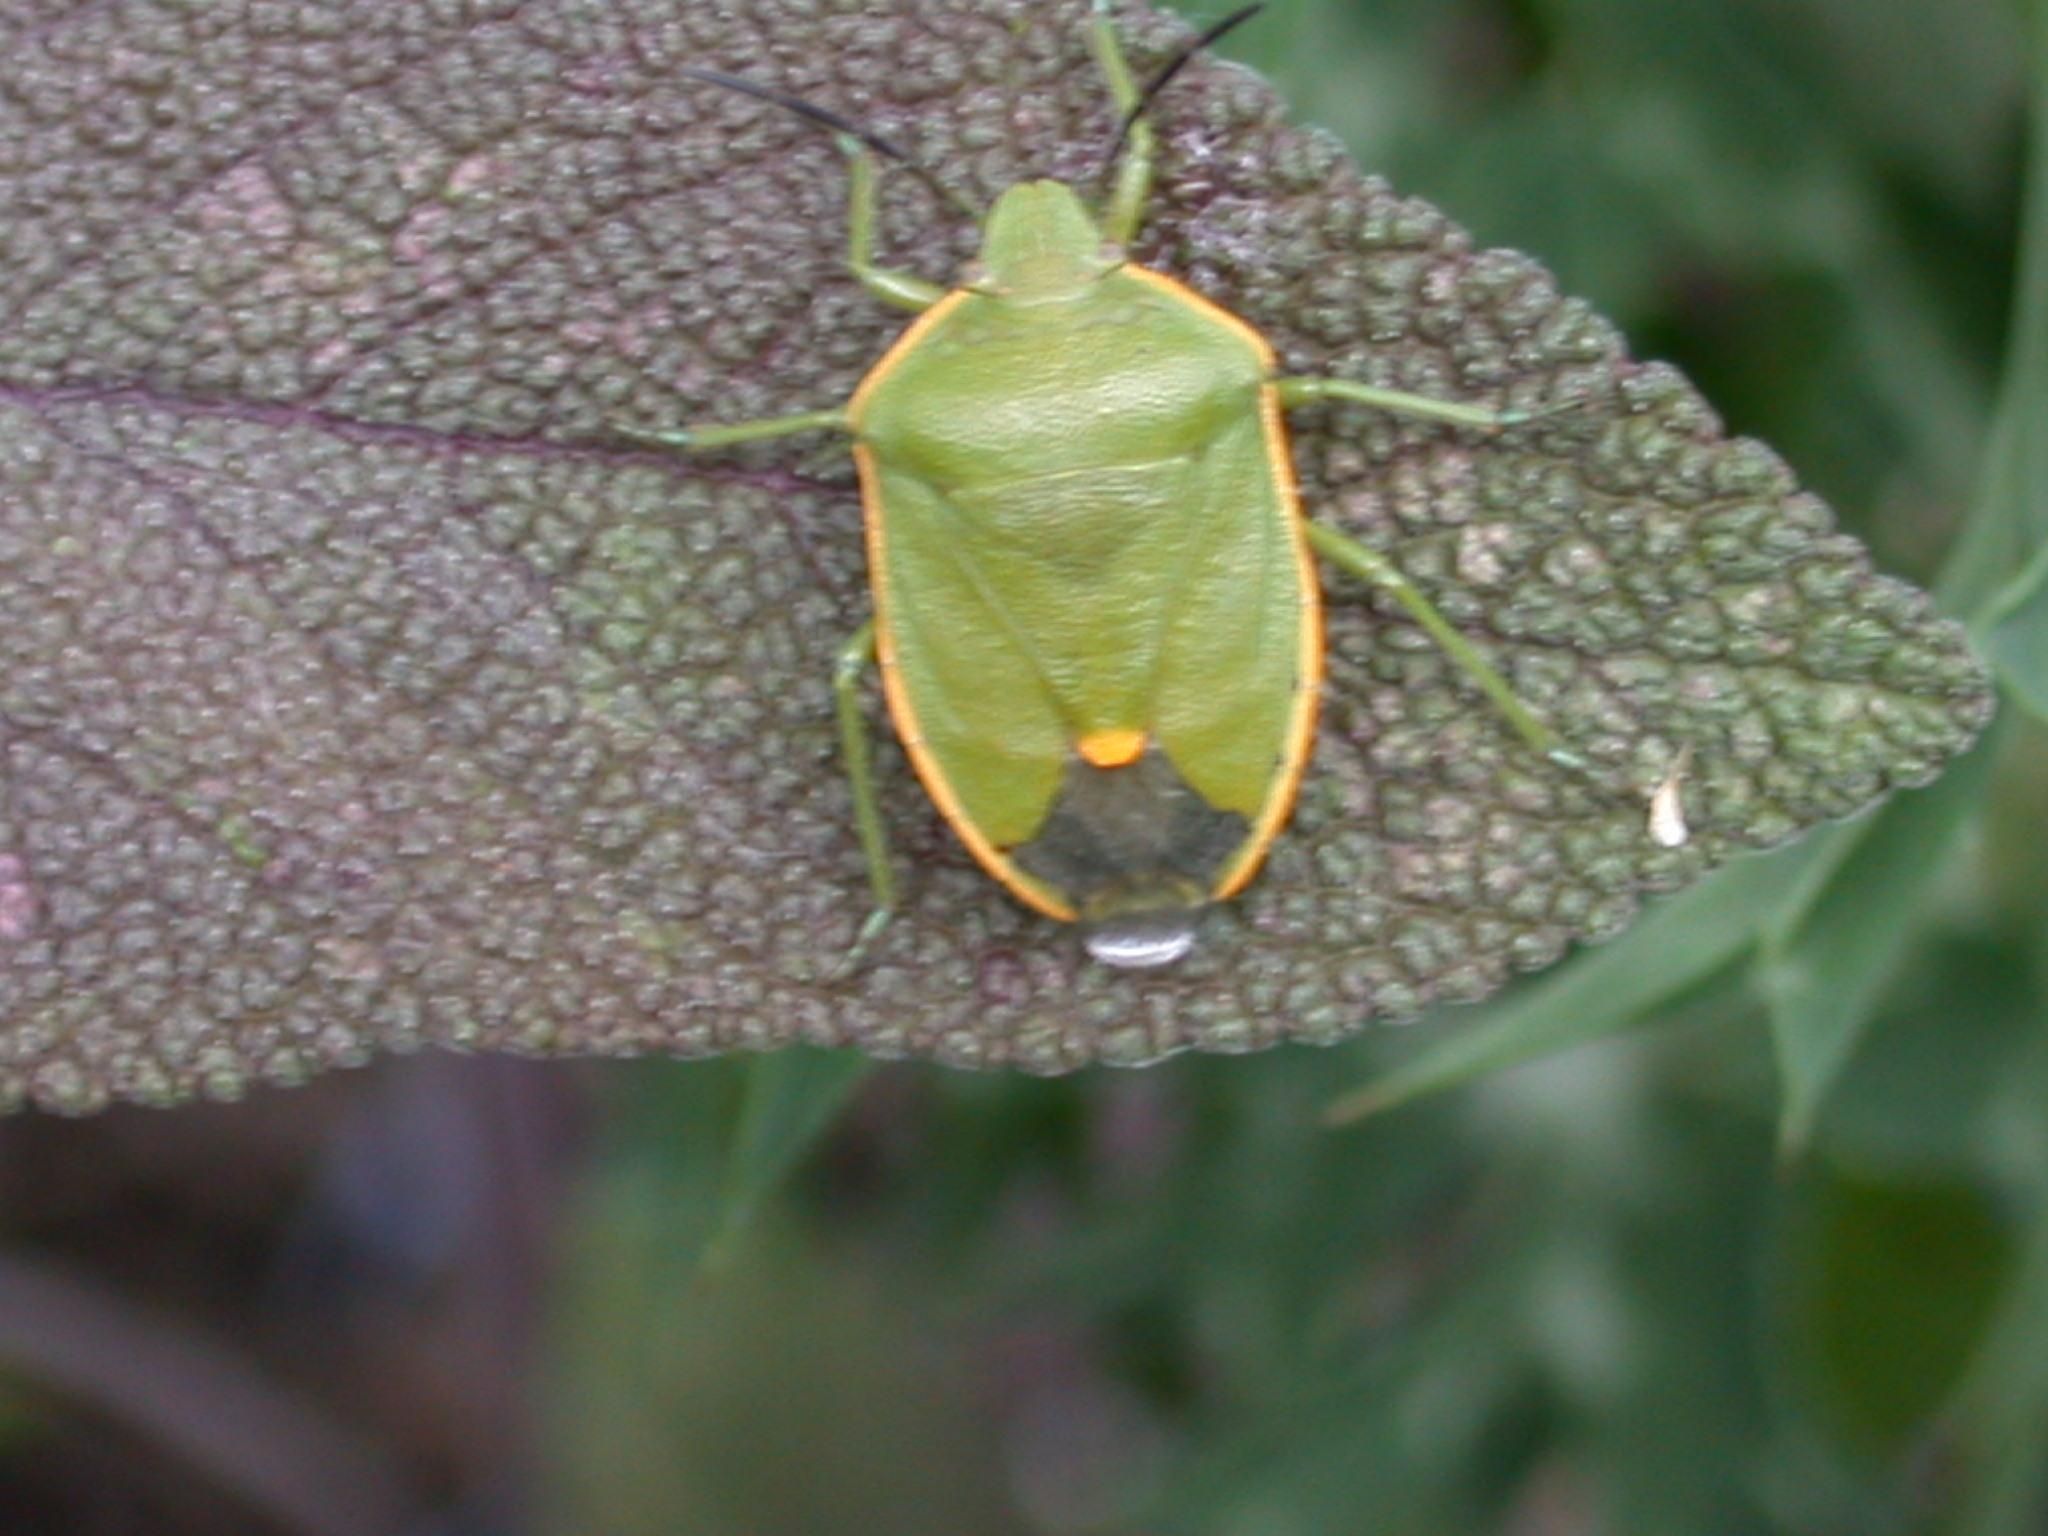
725,434
1133,185
855,657
1356,559
1301,390
905,291
898,288
1347,554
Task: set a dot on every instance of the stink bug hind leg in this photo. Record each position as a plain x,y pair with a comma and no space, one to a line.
1350,556
857,953
855,657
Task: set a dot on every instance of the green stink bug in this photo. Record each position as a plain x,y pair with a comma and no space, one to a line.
1096,612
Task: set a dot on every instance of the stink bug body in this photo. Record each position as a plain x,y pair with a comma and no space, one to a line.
1096,611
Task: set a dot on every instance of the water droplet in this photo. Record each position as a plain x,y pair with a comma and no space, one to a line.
1142,939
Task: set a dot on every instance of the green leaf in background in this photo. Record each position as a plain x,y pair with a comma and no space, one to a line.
1995,575
795,1391
1828,958
2002,1411
1681,943
791,1098
1893,1283
2018,644
2014,620
2002,1417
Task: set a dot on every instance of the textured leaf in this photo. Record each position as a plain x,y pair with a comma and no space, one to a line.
360,690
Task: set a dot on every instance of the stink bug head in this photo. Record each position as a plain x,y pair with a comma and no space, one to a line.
1042,244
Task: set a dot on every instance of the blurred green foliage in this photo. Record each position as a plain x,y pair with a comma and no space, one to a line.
1773,1260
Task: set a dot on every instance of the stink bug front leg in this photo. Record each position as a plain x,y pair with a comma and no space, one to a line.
1347,554
855,657
901,289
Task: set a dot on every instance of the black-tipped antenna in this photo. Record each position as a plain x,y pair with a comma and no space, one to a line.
1173,67
832,120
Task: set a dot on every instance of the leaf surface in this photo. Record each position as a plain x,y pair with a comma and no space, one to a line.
361,689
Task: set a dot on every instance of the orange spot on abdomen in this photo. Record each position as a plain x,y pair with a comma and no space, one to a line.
1116,747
